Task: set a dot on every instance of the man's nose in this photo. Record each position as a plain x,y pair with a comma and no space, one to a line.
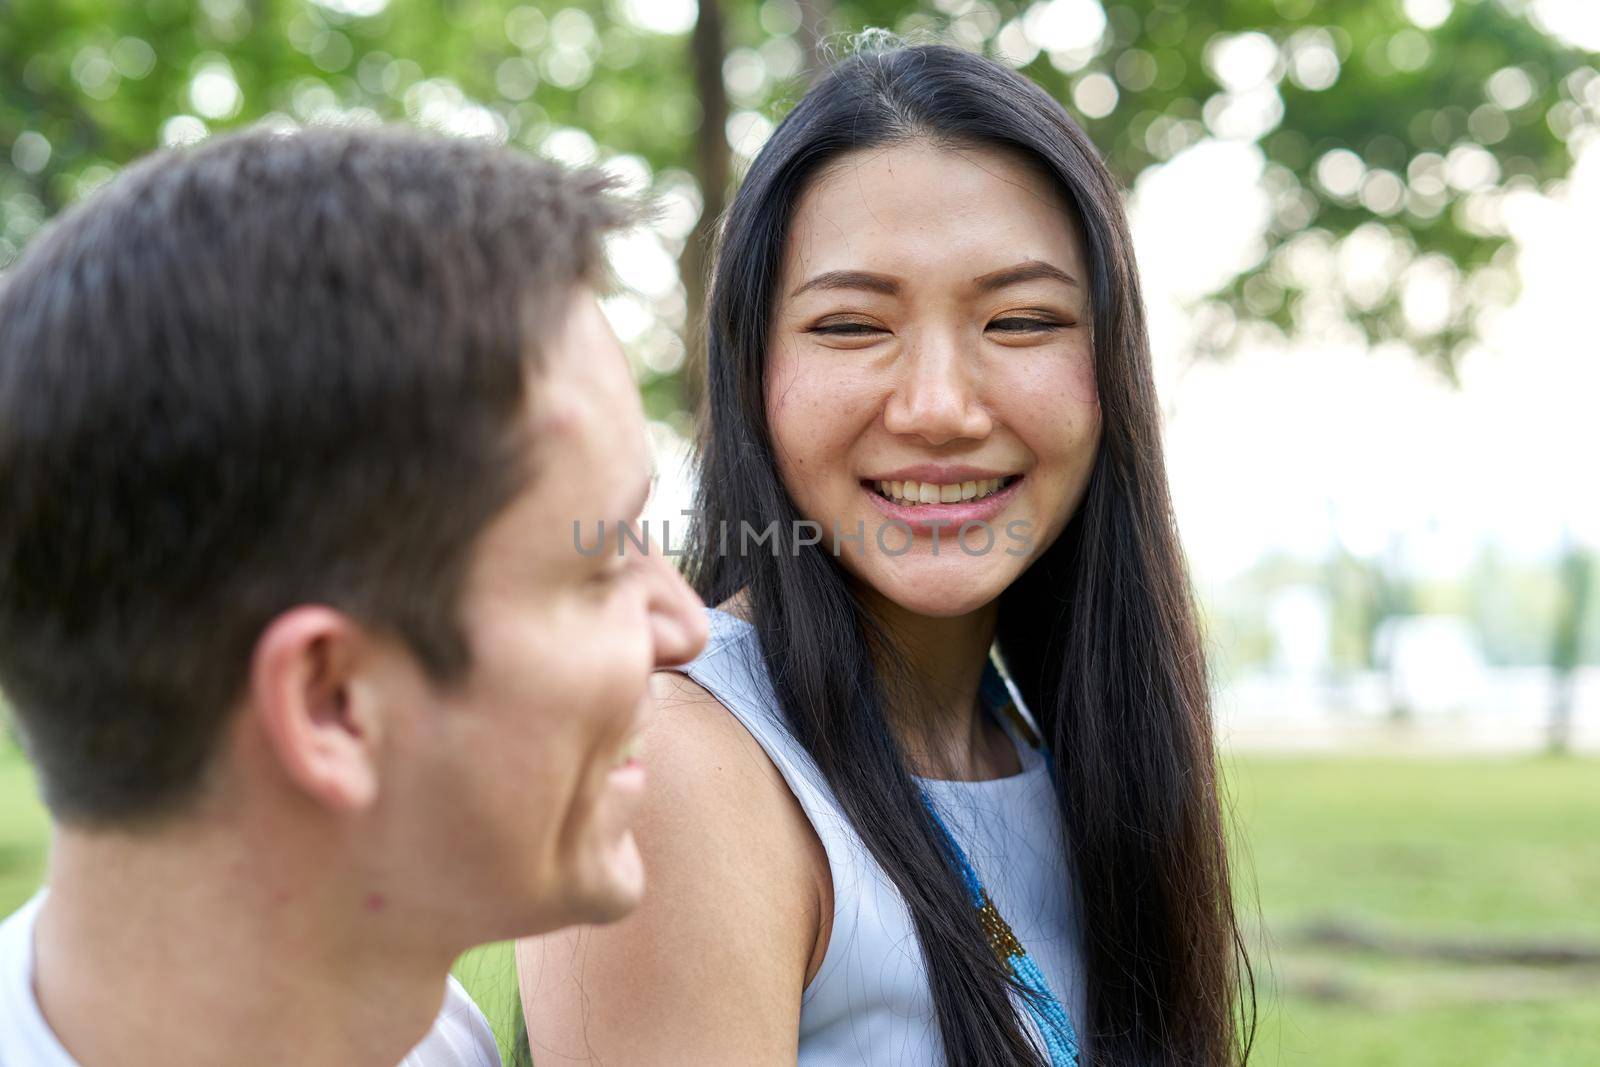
678,625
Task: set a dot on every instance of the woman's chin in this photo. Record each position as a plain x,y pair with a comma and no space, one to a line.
937,600
941,609
944,587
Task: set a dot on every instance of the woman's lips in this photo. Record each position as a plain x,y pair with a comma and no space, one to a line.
947,519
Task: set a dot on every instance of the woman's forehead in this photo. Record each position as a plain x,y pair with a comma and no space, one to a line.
906,203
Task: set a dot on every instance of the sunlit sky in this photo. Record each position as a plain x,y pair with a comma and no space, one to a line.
1291,448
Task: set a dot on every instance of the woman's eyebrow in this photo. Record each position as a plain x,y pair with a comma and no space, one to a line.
851,279
1032,270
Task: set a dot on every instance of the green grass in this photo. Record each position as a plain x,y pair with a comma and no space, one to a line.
1468,849
24,829
1473,849
1458,845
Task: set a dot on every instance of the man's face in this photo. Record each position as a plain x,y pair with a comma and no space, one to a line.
521,781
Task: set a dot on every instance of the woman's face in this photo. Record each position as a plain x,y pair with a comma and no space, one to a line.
930,377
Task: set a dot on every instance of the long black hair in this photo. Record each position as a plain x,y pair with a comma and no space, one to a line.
1099,634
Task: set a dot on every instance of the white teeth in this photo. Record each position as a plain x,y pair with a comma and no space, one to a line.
911,493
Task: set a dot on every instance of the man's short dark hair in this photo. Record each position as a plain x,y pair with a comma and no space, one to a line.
275,369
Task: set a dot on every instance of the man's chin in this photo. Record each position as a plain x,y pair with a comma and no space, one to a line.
615,887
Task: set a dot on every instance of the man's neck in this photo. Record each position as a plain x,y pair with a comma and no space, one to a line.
208,944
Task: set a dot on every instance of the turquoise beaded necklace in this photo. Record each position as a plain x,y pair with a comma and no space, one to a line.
1061,1041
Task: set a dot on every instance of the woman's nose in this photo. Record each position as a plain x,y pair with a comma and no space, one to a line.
936,397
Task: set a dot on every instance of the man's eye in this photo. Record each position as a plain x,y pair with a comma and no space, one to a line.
612,573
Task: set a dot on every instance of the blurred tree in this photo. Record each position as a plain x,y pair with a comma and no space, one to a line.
1577,586
1393,598
1389,131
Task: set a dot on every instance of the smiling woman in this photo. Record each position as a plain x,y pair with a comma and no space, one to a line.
960,355
866,843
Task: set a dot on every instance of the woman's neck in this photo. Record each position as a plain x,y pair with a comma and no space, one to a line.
931,679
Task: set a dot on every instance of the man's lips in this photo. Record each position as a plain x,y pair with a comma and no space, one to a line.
627,777
627,772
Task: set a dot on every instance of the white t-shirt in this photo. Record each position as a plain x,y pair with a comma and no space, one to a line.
460,1036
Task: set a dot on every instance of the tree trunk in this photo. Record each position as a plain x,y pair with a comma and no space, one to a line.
707,47
1393,602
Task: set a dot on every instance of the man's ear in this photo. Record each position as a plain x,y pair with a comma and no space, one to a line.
318,716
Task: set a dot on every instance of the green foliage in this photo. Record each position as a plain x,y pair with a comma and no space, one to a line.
87,86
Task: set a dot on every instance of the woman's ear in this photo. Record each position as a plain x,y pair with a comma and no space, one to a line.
319,718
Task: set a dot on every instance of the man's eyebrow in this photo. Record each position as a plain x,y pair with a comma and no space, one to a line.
644,491
632,507
634,502
1032,270
851,279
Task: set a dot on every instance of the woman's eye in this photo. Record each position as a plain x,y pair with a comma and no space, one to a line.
1017,324
846,329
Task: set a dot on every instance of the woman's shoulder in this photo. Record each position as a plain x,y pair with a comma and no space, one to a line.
708,968
713,746
688,727
709,693
706,731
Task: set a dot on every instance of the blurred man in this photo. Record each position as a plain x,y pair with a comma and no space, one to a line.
293,433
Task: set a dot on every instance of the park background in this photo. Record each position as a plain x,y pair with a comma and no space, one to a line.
1365,232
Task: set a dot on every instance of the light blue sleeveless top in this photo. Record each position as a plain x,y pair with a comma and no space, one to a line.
869,1002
